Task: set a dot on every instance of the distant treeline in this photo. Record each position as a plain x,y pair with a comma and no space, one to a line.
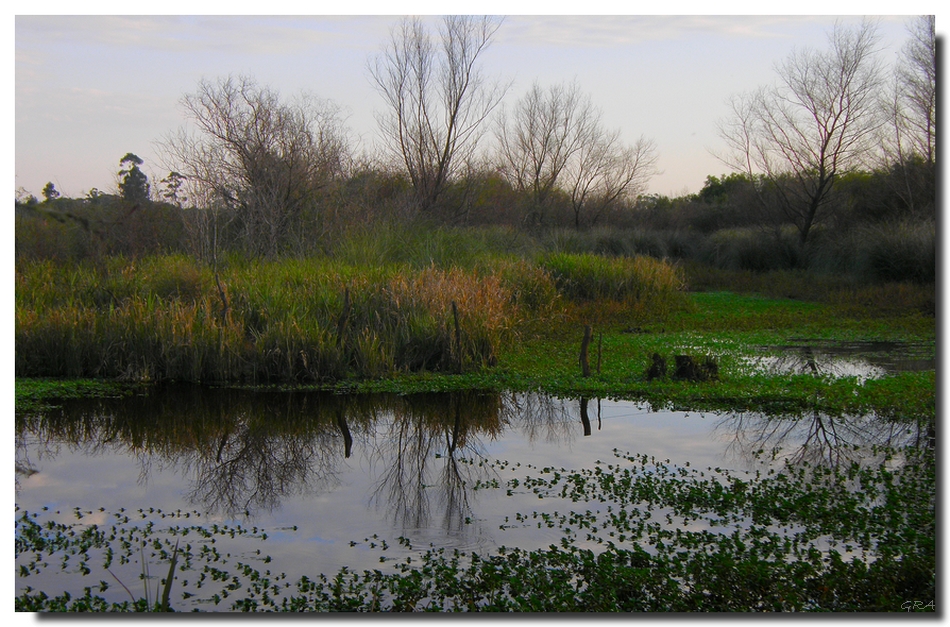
878,227
834,168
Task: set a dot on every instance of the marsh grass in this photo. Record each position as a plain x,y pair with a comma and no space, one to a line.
148,320
298,320
633,281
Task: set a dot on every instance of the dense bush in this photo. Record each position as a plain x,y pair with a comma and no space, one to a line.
751,249
72,230
899,252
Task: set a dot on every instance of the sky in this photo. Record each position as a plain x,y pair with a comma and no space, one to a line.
91,88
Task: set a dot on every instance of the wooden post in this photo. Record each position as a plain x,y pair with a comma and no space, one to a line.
585,344
344,316
458,339
600,349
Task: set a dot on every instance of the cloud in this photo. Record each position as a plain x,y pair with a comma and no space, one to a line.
600,31
246,35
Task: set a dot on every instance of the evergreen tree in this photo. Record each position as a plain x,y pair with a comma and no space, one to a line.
133,184
49,192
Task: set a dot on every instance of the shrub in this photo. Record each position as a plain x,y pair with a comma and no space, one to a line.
901,252
751,249
904,251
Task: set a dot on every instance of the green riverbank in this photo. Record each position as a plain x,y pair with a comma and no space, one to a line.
736,331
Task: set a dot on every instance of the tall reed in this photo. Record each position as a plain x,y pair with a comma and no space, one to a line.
588,277
300,320
162,318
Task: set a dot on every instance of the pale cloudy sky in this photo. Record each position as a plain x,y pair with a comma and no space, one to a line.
90,88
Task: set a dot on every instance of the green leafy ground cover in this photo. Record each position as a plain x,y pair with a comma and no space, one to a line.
645,536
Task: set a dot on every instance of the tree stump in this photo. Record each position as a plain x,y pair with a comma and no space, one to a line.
657,369
689,368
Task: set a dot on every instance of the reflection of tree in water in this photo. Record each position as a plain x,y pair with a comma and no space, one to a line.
252,467
818,438
843,359
247,450
432,448
433,454
541,417
46,435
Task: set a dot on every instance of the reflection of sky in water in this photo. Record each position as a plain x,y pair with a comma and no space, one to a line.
863,360
677,436
353,502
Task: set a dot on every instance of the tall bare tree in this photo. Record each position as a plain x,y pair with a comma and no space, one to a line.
817,123
545,130
554,140
437,99
256,161
607,173
911,143
917,80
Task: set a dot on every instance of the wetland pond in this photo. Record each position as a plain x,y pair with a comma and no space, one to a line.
324,481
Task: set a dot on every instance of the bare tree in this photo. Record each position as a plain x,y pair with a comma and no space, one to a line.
817,123
917,79
608,173
545,131
256,161
554,140
436,98
911,146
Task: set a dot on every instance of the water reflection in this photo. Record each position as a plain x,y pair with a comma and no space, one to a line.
817,438
243,452
865,360
419,458
424,455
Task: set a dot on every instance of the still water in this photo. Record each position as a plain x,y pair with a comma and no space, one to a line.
334,478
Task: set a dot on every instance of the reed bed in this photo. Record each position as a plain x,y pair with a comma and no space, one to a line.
295,320
589,277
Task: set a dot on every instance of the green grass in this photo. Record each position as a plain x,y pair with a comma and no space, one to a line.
521,327
295,320
34,395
